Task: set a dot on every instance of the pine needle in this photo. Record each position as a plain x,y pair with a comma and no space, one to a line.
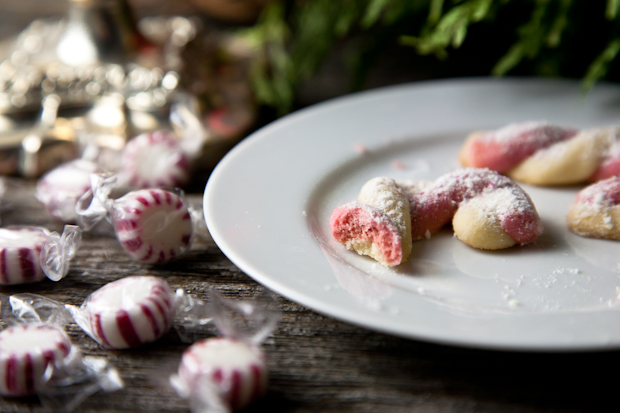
598,69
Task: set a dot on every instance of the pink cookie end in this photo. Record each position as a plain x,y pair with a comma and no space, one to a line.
355,221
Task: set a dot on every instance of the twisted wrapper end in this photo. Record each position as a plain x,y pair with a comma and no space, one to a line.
58,251
96,203
33,308
249,321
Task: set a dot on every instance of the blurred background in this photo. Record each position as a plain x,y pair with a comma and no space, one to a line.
82,76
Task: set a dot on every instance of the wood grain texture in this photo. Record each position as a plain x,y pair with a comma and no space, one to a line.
317,364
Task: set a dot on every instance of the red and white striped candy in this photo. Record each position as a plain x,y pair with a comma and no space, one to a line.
130,312
59,189
155,160
237,368
152,225
20,247
25,352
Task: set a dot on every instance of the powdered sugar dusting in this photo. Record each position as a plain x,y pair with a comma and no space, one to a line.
411,188
538,132
384,194
601,195
465,184
503,149
512,130
499,203
434,206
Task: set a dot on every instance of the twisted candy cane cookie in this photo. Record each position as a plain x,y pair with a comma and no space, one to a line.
596,210
488,210
540,154
377,224
25,352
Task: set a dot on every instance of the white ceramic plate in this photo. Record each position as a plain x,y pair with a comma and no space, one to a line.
268,203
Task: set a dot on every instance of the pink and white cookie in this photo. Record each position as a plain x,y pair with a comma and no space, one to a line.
152,225
377,224
503,149
238,369
154,160
572,161
596,210
129,312
487,210
610,163
26,350
59,189
541,154
20,249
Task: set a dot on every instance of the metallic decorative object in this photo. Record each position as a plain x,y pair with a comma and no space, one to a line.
93,79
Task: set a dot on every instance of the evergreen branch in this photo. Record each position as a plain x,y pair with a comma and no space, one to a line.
434,12
559,24
600,66
271,73
451,28
291,47
612,9
373,12
532,36
319,24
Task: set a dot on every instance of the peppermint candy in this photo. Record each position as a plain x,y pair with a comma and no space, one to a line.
152,225
59,189
155,160
26,350
236,368
129,312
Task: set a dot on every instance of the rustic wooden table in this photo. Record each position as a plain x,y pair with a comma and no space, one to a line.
318,364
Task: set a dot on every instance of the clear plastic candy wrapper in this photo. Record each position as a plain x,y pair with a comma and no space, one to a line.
128,312
154,160
60,188
152,225
29,254
226,373
133,311
161,158
38,358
